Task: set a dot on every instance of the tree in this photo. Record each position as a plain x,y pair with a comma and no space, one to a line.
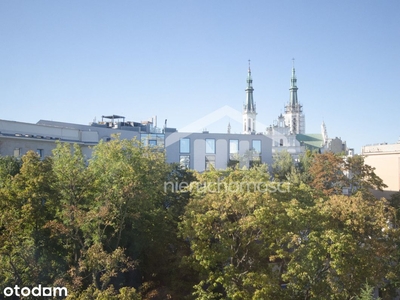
361,177
9,167
367,293
327,175
27,257
347,244
246,241
112,218
235,229
282,165
301,174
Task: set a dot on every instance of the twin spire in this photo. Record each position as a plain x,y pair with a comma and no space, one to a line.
250,105
293,109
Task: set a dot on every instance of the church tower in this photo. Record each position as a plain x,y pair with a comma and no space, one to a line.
249,108
294,117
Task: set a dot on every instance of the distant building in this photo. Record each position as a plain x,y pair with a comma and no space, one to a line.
288,131
17,138
199,151
285,129
385,158
202,151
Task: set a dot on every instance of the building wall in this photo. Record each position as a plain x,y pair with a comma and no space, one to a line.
385,158
198,156
336,145
198,148
42,138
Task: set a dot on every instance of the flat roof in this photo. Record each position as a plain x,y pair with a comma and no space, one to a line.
113,117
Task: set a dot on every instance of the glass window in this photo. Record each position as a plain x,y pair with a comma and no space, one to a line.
152,139
210,146
233,146
40,152
17,152
184,145
210,161
184,161
256,146
144,139
234,150
160,139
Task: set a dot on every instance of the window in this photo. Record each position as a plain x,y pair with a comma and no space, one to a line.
256,145
17,152
152,139
210,146
210,161
184,161
234,150
233,146
255,158
184,145
40,152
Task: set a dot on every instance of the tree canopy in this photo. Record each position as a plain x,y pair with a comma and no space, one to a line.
127,225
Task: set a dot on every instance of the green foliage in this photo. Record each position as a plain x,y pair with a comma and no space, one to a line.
248,242
9,166
98,227
367,293
26,205
233,236
126,225
327,175
282,165
361,177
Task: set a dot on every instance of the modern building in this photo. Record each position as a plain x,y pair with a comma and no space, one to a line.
17,138
200,151
197,151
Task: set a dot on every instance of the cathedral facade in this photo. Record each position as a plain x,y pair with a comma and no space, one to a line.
286,127
288,131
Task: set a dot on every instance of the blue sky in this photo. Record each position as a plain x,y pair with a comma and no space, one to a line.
73,61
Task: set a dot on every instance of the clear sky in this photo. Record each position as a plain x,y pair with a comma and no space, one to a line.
73,61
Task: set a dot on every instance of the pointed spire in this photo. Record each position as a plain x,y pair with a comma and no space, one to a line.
249,106
293,88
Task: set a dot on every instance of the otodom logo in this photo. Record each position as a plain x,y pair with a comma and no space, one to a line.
37,291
